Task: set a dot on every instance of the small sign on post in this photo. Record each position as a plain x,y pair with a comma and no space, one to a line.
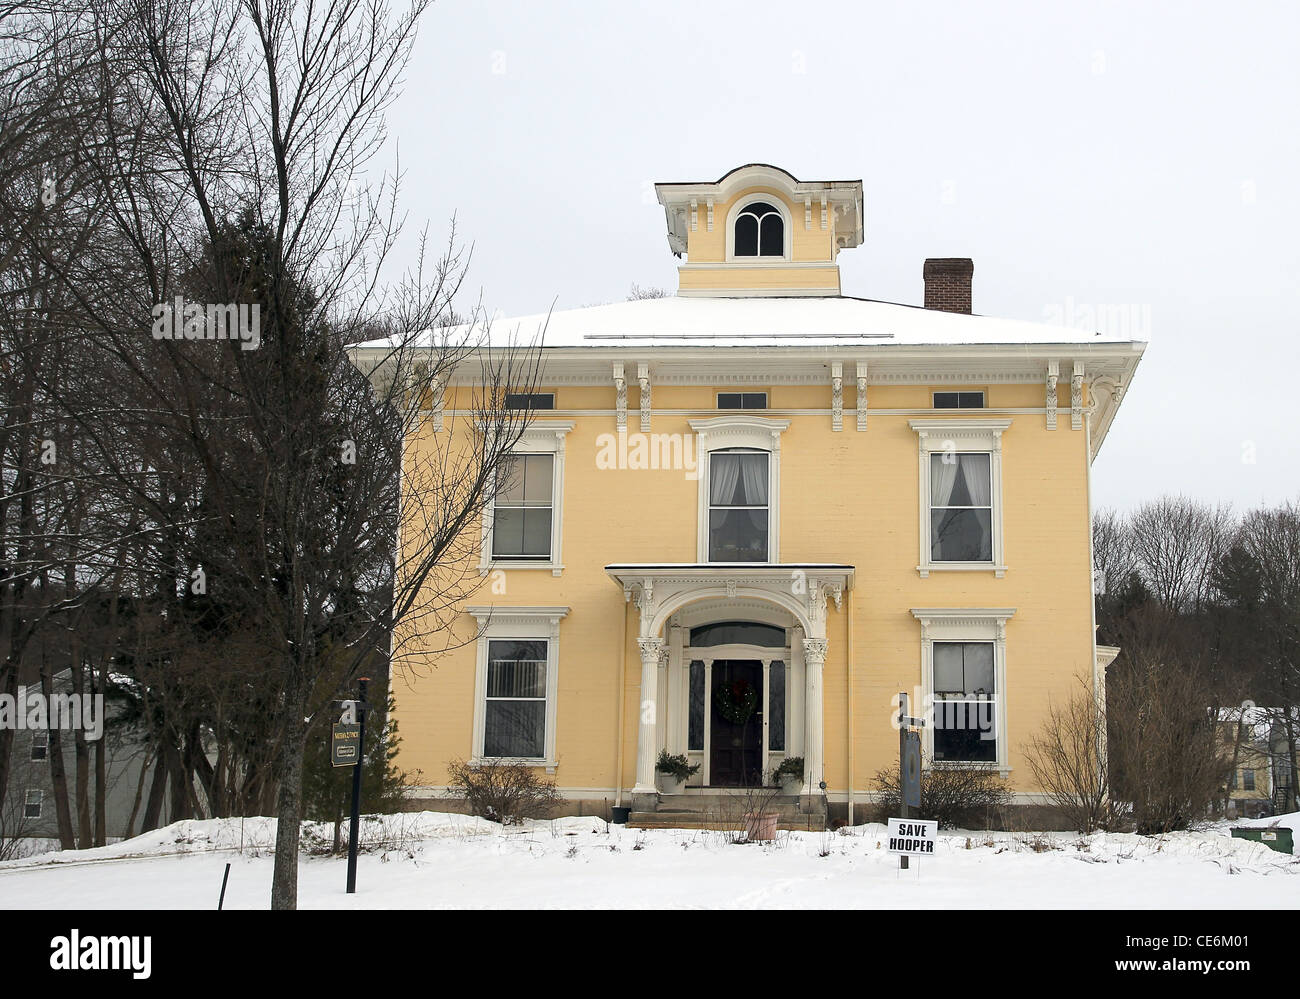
912,769
345,745
913,837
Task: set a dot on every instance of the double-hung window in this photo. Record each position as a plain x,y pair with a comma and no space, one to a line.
521,523
961,507
522,528
740,488
738,506
961,494
515,709
32,803
516,687
965,702
964,684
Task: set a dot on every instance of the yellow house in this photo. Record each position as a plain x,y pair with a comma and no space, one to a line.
747,516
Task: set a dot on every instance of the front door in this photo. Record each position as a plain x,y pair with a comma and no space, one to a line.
736,757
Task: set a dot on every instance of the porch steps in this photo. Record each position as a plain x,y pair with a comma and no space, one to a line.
725,811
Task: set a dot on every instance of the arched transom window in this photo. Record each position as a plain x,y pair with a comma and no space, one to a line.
760,231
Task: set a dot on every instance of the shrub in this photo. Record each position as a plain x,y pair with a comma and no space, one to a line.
678,766
955,796
791,768
502,792
1068,759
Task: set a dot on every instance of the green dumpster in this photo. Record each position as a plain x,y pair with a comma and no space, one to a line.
1275,839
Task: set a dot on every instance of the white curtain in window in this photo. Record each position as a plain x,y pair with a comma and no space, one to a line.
975,469
724,471
943,477
754,467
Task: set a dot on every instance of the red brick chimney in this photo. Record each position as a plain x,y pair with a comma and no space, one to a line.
947,283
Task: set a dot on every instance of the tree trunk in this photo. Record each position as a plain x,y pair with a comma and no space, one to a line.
58,774
153,809
284,881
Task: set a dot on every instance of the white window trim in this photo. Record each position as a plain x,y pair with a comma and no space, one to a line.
528,624
777,202
965,624
963,435
39,803
540,437
722,433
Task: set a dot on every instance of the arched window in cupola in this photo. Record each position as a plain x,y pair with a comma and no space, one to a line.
760,231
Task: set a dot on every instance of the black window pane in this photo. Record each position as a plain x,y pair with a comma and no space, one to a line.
695,722
971,400
738,633
754,400
776,708
730,400
772,242
965,731
521,533
512,649
738,535
515,728
961,536
530,400
746,236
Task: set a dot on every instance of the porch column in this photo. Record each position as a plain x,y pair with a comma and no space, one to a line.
652,650
814,657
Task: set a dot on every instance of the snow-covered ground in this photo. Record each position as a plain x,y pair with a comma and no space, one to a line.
435,860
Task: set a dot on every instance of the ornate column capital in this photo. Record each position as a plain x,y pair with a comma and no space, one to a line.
814,651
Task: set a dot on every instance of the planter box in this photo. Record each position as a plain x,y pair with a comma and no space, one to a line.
668,784
760,825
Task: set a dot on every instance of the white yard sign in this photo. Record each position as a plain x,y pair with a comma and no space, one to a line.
913,836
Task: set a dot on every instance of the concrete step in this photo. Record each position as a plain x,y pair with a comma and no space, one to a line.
719,821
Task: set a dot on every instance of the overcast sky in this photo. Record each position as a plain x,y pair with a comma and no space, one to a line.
1089,155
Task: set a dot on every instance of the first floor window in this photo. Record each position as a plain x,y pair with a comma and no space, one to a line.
515,716
1248,780
521,520
961,507
32,804
965,702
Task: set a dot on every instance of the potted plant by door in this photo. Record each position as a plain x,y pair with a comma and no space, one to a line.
789,775
673,772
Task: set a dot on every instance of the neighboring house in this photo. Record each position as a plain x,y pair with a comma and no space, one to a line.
745,517
1244,745
30,809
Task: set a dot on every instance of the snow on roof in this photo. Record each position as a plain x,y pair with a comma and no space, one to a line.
775,322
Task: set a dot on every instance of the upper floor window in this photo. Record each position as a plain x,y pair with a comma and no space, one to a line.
521,522
738,510
760,231
522,526
961,508
961,494
959,400
32,804
40,745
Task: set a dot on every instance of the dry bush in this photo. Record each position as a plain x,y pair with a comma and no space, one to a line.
1068,759
502,792
955,796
